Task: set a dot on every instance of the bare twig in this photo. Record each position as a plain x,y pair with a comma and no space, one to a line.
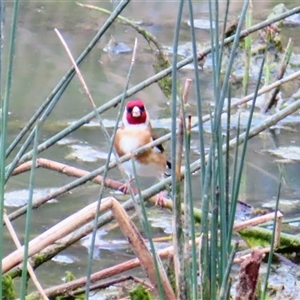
280,73
249,270
104,285
257,220
185,96
146,34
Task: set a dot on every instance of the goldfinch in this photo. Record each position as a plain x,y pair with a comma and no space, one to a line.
135,132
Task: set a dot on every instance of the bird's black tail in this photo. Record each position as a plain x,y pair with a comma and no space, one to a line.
169,166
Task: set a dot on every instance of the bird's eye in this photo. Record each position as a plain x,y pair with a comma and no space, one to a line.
142,108
129,110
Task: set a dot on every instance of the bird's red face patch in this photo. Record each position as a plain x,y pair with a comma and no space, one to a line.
136,112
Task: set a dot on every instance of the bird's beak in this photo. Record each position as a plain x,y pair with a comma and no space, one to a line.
136,112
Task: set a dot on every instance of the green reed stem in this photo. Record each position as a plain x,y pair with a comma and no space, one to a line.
227,163
217,48
240,170
219,106
205,255
224,199
247,50
213,241
220,191
225,283
226,14
234,181
198,91
219,260
5,109
147,228
28,215
2,145
270,257
212,41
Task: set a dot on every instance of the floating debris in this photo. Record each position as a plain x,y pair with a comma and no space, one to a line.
67,141
114,47
94,123
201,23
286,205
64,259
292,20
290,153
20,197
164,223
183,50
85,153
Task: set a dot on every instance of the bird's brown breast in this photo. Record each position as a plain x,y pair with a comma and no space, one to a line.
128,140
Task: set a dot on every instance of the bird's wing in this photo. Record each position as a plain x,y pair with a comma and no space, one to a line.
158,148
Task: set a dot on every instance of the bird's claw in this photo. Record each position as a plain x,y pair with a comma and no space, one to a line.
125,188
161,200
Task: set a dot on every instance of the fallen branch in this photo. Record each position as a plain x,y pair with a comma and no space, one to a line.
88,213
67,170
163,254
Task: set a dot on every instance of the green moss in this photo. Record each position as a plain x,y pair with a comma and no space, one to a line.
140,293
33,297
39,259
171,274
8,288
277,10
70,276
257,236
161,63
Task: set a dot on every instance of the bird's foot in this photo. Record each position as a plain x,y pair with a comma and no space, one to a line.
125,188
161,200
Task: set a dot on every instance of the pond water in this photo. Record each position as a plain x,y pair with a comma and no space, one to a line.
41,61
